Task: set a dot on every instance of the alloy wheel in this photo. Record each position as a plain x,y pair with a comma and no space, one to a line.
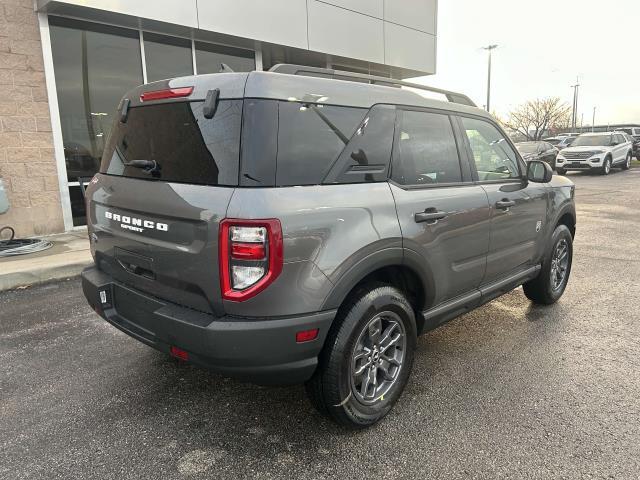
559,264
377,357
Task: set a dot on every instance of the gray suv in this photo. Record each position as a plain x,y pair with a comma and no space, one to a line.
306,225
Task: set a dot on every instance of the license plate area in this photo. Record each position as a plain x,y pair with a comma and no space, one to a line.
136,310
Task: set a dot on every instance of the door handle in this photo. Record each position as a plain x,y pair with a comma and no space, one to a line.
505,204
429,215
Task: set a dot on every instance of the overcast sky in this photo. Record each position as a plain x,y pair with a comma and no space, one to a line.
543,45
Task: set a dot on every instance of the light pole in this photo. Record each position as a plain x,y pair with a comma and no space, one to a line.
574,113
593,119
489,48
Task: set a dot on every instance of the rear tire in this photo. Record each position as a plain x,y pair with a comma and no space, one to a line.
352,356
627,162
549,285
606,166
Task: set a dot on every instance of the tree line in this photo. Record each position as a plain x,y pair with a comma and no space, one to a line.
538,118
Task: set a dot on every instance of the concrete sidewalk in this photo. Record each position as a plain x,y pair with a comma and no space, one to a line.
68,256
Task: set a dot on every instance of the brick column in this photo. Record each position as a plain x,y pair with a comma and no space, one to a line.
27,160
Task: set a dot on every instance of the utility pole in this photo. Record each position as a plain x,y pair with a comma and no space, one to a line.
489,48
574,113
593,119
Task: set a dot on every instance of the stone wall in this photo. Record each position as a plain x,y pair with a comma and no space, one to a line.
27,160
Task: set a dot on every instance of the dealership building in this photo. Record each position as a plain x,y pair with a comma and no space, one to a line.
64,65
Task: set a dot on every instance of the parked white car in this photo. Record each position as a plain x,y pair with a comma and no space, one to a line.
596,151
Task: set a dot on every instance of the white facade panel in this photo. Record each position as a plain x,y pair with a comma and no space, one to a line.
418,14
410,48
352,29
345,33
374,8
275,21
185,13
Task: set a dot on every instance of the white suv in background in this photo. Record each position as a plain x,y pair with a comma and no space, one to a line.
596,151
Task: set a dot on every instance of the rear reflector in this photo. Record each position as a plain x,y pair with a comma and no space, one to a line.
307,335
167,93
179,353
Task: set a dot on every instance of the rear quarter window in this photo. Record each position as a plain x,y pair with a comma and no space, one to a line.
311,136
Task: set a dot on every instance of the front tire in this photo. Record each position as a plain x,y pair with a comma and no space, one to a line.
549,285
367,358
627,162
606,166
561,171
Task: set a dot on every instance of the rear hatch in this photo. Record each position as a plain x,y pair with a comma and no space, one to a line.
167,175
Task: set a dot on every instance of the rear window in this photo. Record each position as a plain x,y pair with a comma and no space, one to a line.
527,147
185,146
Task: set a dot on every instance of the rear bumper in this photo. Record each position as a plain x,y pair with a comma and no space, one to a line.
262,351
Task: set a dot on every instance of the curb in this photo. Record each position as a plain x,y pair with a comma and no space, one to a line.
35,276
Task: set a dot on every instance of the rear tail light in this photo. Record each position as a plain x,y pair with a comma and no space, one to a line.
166,93
250,256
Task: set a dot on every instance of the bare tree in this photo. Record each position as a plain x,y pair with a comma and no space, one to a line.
539,117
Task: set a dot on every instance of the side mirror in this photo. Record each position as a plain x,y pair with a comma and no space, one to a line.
539,172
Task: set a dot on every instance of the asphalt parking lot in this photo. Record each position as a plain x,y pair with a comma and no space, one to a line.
507,391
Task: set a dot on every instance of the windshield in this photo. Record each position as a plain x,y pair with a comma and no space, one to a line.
592,141
553,141
527,147
625,130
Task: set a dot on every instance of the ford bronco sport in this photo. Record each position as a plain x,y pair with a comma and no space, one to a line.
306,225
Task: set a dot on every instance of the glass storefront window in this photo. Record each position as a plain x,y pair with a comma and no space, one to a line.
167,57
209,57
94,66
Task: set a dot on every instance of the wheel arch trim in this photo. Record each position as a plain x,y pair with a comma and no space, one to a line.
388,257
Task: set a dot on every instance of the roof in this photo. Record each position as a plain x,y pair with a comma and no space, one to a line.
330,91
281,86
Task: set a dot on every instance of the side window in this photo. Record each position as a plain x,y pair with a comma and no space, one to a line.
494,158
310,138
426,151
620,139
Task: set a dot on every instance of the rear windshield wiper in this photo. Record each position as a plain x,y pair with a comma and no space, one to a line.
143,164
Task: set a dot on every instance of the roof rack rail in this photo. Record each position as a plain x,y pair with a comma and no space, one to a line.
303,70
